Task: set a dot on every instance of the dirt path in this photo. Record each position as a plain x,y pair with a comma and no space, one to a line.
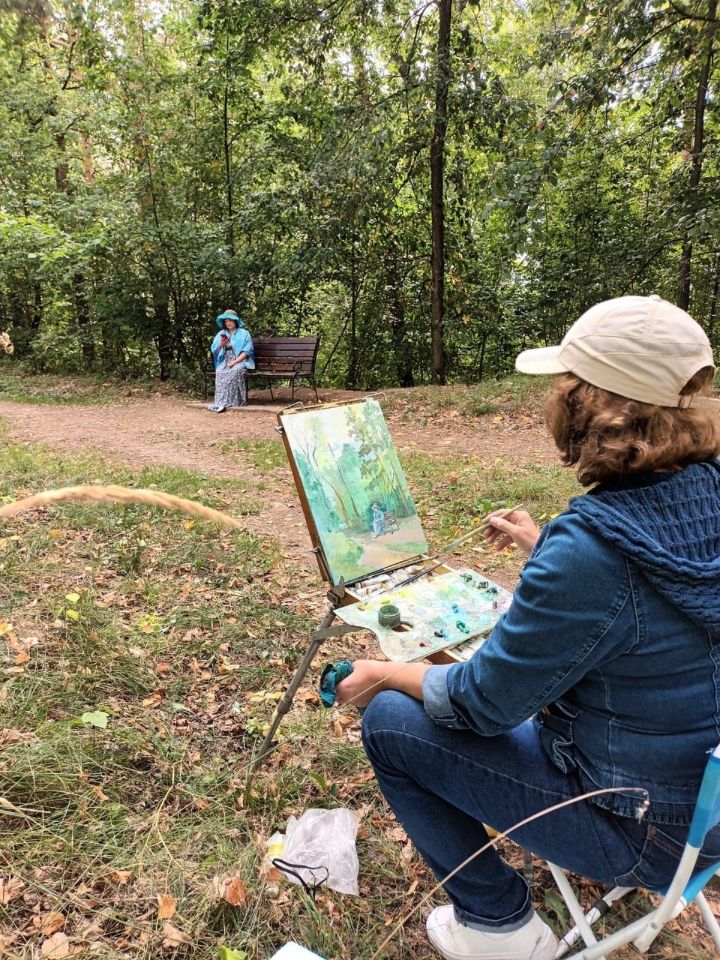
175,433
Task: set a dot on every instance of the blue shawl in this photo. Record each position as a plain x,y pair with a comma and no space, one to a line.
241,343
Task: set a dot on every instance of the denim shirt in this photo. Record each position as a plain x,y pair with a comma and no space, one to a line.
623,685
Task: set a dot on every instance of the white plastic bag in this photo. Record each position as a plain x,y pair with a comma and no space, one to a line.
324,838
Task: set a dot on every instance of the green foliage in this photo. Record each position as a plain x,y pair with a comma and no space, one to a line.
163,162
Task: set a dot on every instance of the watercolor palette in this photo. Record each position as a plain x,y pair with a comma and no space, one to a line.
437,612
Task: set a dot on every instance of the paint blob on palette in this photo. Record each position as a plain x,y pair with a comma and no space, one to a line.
436,612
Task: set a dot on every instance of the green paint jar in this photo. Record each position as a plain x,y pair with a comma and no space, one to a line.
389,616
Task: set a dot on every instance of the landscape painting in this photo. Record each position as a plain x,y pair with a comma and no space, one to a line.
356,489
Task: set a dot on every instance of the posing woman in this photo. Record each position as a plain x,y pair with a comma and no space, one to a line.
604,672
232,352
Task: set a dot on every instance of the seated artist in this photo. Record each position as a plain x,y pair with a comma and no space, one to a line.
233,354
604,671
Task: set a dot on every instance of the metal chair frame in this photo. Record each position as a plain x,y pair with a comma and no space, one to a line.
683,890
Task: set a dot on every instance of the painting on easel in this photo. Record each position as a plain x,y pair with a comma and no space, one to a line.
355,488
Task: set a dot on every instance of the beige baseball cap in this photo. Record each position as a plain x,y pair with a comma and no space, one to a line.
643,348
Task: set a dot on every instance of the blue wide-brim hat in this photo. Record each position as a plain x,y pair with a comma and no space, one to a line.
227,315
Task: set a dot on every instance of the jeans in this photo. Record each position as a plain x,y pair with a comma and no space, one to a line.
444,784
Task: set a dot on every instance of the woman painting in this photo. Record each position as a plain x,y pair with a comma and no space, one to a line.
603,673
232,352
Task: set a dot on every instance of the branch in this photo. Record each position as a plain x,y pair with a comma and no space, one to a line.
687,15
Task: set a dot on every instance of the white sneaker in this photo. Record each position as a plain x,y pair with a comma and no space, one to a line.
454,941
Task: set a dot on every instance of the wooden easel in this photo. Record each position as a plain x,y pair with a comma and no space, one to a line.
342,594
337,595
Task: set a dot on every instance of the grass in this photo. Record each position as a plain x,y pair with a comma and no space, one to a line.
182,636
454,494
263,455
510,396
21,386
178,633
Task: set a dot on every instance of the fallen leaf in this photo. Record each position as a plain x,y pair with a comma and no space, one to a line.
98,793
10,889
154,699
10,735
22,657
231,889
55,947
172,937
229,667
120,877
304,695
51,923
72,614
227,953
166,906
95,718
72,597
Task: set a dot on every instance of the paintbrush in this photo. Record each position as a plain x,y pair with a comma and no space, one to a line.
485,525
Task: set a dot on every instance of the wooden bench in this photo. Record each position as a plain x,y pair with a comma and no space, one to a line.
279,358
390,523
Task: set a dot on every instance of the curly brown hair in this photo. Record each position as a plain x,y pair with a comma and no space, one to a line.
608,436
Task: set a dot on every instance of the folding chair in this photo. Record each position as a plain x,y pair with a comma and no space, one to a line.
681,891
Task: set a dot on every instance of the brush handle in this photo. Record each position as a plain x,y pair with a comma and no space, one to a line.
485,525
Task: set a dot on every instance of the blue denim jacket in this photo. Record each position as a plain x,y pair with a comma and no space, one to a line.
624,683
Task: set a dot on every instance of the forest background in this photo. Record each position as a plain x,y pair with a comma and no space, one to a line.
430,186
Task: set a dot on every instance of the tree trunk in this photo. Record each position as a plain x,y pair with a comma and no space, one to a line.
82,307
88,162
82,312
437,172
698,144
352,377
398,325
713,316
62,170
163,337
481,359
227,152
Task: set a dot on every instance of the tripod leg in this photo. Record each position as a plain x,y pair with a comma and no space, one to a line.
287,698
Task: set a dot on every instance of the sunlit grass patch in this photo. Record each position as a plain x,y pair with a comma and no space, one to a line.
262,454
142,655
509,396
22,385
454,494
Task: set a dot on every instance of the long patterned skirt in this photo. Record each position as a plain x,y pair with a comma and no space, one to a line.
230,387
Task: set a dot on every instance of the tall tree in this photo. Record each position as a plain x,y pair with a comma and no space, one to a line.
697,147
437,187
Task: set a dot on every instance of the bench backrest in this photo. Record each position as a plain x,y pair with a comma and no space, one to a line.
286,353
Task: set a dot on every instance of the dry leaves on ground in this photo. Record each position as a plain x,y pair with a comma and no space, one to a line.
8,735
51,923
230,888
166,906
55,947
173,938
10,889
